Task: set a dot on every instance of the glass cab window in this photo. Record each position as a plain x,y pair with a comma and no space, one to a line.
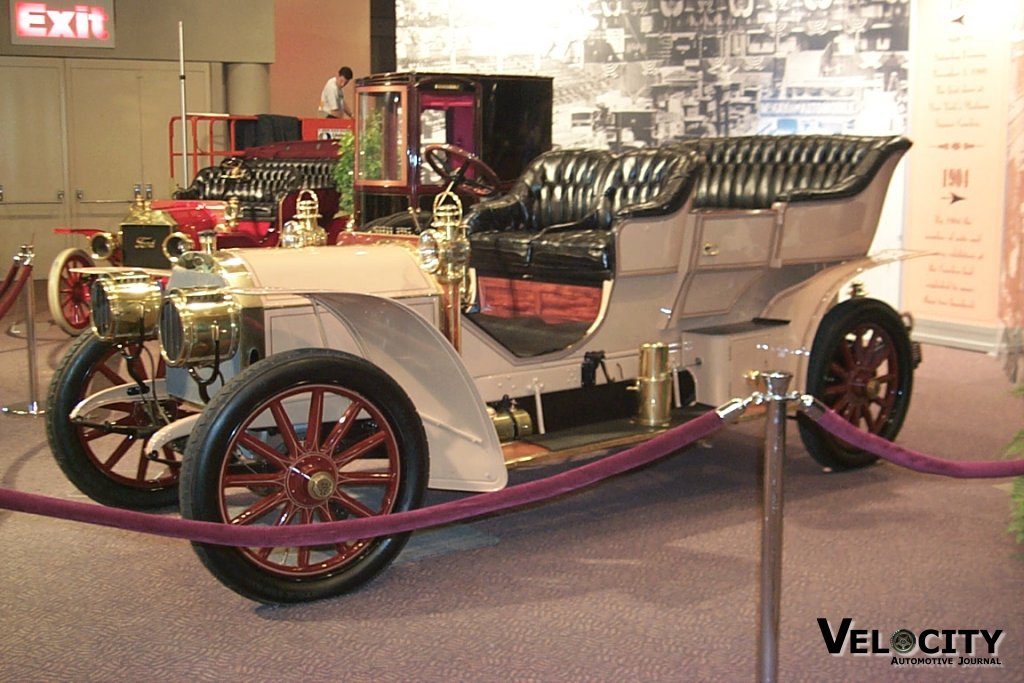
446,118
397,117
381,133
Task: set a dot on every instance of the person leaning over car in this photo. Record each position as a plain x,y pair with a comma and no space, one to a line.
332,99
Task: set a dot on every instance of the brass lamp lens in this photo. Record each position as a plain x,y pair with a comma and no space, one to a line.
125,307
198,327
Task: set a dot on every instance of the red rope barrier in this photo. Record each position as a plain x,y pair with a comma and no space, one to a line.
10,275
368,527
10,294
832,422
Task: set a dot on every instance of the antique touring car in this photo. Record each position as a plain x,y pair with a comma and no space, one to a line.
601,298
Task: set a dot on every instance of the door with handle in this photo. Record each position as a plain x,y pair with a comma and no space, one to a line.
117,118
33,173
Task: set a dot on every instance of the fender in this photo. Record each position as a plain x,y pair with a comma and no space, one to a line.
810,300
155,273
117,394
465,454
165,435
87,232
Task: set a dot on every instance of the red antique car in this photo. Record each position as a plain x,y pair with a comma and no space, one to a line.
244,196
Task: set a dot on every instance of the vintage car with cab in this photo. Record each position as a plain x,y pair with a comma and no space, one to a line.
257,166
601,298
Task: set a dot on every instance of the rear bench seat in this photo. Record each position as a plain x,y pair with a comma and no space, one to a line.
265,183
557,223
754,172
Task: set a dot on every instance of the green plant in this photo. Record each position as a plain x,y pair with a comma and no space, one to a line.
370,160
1016,448
343,171
1017,512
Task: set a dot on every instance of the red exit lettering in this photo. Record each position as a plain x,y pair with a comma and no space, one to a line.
36,20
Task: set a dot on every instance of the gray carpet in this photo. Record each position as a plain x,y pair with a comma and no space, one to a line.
649,577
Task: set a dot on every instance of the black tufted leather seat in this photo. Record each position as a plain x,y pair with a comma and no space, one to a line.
753,172
558,189
264,184
556,223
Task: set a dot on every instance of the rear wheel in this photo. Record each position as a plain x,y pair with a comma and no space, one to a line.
861,366
67,292
304,437
104,453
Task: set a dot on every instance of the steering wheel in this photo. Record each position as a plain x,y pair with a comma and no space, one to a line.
234,167
454,164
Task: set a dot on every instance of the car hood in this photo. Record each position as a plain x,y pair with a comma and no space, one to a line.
387,270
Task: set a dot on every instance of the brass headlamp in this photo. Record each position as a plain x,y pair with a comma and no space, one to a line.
444,253
125,306
303,230
444,249
104,244
198,327
175,245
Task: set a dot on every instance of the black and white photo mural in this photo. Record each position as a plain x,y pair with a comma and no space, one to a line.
633,73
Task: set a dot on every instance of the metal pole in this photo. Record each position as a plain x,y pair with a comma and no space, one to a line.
31,407
185,176
776,385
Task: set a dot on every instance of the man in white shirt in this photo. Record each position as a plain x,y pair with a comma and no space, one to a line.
332,99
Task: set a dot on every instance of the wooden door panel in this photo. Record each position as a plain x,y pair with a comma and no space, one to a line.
32,160
118,120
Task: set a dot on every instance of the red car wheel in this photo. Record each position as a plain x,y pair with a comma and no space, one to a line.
67,292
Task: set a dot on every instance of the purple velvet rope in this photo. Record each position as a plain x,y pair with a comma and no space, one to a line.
832,422
368,527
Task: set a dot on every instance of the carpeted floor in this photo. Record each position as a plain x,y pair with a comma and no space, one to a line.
651,576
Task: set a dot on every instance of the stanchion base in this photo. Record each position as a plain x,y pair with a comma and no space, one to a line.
19,330
26,409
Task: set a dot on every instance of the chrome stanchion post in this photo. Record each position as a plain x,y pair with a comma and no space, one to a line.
776,385
30,407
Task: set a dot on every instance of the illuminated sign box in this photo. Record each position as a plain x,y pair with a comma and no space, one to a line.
61,23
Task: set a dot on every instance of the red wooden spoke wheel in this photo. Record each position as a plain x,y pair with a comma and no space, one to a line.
861,366
861,376
67,292
304,437
104,452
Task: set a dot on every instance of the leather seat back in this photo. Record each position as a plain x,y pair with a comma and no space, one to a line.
653,180
562,186
753,172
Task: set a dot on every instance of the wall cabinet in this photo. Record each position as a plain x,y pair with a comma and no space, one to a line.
77,136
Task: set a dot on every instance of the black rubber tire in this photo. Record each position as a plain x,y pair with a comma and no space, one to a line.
84,454
212,460
861,366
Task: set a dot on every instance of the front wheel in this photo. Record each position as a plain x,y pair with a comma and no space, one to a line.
304,437
862,367
67,292
104,452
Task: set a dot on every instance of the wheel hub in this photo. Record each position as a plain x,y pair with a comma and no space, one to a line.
320,486
80,291
866,386
312,480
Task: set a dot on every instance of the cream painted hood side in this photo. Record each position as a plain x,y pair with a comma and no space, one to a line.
386,270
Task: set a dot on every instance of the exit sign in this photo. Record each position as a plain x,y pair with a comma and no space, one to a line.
67,24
